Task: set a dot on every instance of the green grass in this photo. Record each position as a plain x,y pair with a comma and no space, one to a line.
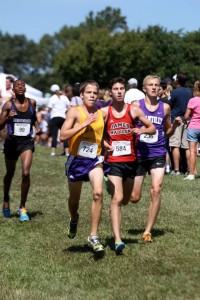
38,261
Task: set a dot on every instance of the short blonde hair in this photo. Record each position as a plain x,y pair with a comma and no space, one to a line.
150,77
197,88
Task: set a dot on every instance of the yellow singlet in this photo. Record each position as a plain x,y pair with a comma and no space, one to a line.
88,141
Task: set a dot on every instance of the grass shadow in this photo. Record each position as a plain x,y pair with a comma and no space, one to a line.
155,232
110,242
77,248
83,249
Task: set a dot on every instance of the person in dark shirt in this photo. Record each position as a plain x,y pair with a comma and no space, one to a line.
178,102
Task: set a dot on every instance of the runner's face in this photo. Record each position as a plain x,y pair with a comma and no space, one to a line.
152,87
118,92
90,95
19,87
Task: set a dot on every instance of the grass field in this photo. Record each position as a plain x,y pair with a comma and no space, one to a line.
38,261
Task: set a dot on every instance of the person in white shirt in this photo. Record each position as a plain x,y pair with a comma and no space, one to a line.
133,94
76,99
58,106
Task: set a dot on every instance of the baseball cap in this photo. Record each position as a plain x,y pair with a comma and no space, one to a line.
54,88
133,81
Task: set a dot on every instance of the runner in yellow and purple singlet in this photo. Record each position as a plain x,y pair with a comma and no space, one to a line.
83,128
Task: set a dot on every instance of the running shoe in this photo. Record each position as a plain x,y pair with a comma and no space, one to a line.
119,247
174,172
94,243
189,177
6,209
147,237
23,214
72,229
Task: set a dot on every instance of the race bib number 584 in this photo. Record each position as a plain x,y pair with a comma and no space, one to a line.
121,148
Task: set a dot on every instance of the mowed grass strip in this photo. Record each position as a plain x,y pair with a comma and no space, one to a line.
38,261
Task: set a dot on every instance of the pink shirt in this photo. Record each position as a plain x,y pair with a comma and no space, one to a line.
194,105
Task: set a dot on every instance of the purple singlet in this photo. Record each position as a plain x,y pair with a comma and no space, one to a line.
152,145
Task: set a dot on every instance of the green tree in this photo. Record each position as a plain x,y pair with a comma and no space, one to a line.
109,18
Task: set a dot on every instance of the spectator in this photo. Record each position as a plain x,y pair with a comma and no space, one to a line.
133,93
6,95
101,100
58,106
76,99
164,93
68,91
178,102
193,129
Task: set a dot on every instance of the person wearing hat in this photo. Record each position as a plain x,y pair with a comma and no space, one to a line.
133,94
58,106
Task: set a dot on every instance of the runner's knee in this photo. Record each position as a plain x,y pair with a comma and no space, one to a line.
135,197
98,195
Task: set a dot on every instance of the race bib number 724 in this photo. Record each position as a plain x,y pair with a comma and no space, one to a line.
87,149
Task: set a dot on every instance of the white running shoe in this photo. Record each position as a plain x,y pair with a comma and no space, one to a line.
189,177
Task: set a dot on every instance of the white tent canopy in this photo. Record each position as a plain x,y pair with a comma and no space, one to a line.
31,92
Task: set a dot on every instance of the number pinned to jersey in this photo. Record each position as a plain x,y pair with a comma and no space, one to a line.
121,148
87,149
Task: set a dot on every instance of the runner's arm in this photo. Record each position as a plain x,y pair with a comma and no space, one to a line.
148,127
6,114
36,124
71,125
168,126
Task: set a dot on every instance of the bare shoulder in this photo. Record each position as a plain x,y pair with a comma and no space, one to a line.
135,107
167,109
104,111
73,112
33,102
7,106
135,104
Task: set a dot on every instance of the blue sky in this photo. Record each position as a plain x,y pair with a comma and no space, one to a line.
34,18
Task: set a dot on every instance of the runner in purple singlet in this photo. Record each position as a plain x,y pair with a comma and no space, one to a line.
152,149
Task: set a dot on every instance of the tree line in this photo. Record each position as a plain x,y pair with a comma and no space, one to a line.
100,48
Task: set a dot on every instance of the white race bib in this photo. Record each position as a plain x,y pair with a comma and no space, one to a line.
88,149
21,129
149,138
121,148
